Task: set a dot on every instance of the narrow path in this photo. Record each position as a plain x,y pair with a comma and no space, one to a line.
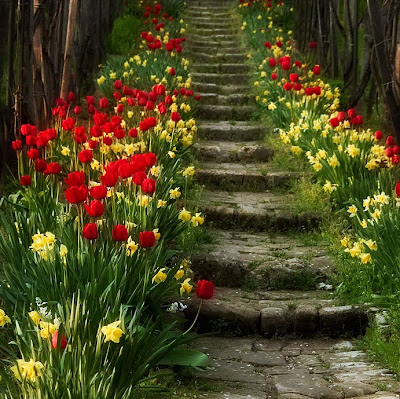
263,259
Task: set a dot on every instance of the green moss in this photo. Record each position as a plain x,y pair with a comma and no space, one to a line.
126,29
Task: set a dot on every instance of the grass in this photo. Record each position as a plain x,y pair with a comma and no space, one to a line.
120,40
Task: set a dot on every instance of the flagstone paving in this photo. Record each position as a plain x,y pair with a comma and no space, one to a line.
285,335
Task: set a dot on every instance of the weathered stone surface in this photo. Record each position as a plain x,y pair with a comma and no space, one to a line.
339,320
274,321
306,320
231,131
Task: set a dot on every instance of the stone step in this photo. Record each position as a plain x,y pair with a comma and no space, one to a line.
221,68
213,88
230,131
231,58
205,23
254,211
225,112
196,37
284,368
206,33
208,44
263,261
215,50
277,313
218,16
226,151
232,99
255,177
222,79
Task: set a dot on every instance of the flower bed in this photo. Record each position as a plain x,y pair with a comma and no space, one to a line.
353,164
88,240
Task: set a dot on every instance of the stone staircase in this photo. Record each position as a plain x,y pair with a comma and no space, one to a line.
263,259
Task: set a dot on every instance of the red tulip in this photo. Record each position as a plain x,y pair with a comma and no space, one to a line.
94,209
33,154
149,186
120,233
85,156
175,116
398,189
117,85
54,341
17,145
25,180
75,179
205,289
104,103
334,122
378,135
40,165
77,110
90,231
294,77
316,70
71,97
98,192
68,124
76,194
147,239
274,76
390,141
133,132
150,158
53,168
351,113
109,179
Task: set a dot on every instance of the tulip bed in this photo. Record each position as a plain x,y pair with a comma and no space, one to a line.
357,167
89,240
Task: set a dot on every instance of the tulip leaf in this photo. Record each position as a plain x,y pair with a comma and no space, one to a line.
185,357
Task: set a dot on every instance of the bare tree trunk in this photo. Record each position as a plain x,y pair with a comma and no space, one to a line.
69,48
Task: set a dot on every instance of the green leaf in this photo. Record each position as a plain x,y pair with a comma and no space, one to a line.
185,357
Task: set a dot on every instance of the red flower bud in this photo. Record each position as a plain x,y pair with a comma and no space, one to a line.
53,168
40,165
25,180
147,239
390,141
149,186
90,231
77,110
205,289
54,341
75,179
334,122
378,134
117,85
109,179
94,209
68,124
104,104
98,192
17,145
120,233
33,154
85,156
76,194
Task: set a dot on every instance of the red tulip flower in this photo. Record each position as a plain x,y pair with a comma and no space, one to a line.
120,233
85,156
378,134
94,209
90,231
205,289
147,239
149,186
398,189
98,192
76,194
54,341
25,180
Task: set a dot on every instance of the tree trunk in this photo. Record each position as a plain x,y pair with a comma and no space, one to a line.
69,48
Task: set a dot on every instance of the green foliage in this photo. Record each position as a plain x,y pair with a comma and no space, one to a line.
125,29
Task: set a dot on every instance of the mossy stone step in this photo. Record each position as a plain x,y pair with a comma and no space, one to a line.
262,260
254,211
221,68
219,58
211,32
277,313
214,88
225,151
244,177
219,78
225,112
230,131
232,99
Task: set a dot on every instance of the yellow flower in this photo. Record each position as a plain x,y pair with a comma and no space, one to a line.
352,150
333,161
179,274
186,287
65,151
365,258
113,75
175,193
155,171
4,319
112,332
364,223
27,370
131,247
296,150
161,204
63,251
171,154
35,316
101,80
184,215
47,329
197,219
159,277
371,245
157,234
317,166
352,210
144,200
188,172
345,241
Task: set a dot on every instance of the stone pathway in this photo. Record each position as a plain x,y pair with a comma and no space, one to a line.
263,259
